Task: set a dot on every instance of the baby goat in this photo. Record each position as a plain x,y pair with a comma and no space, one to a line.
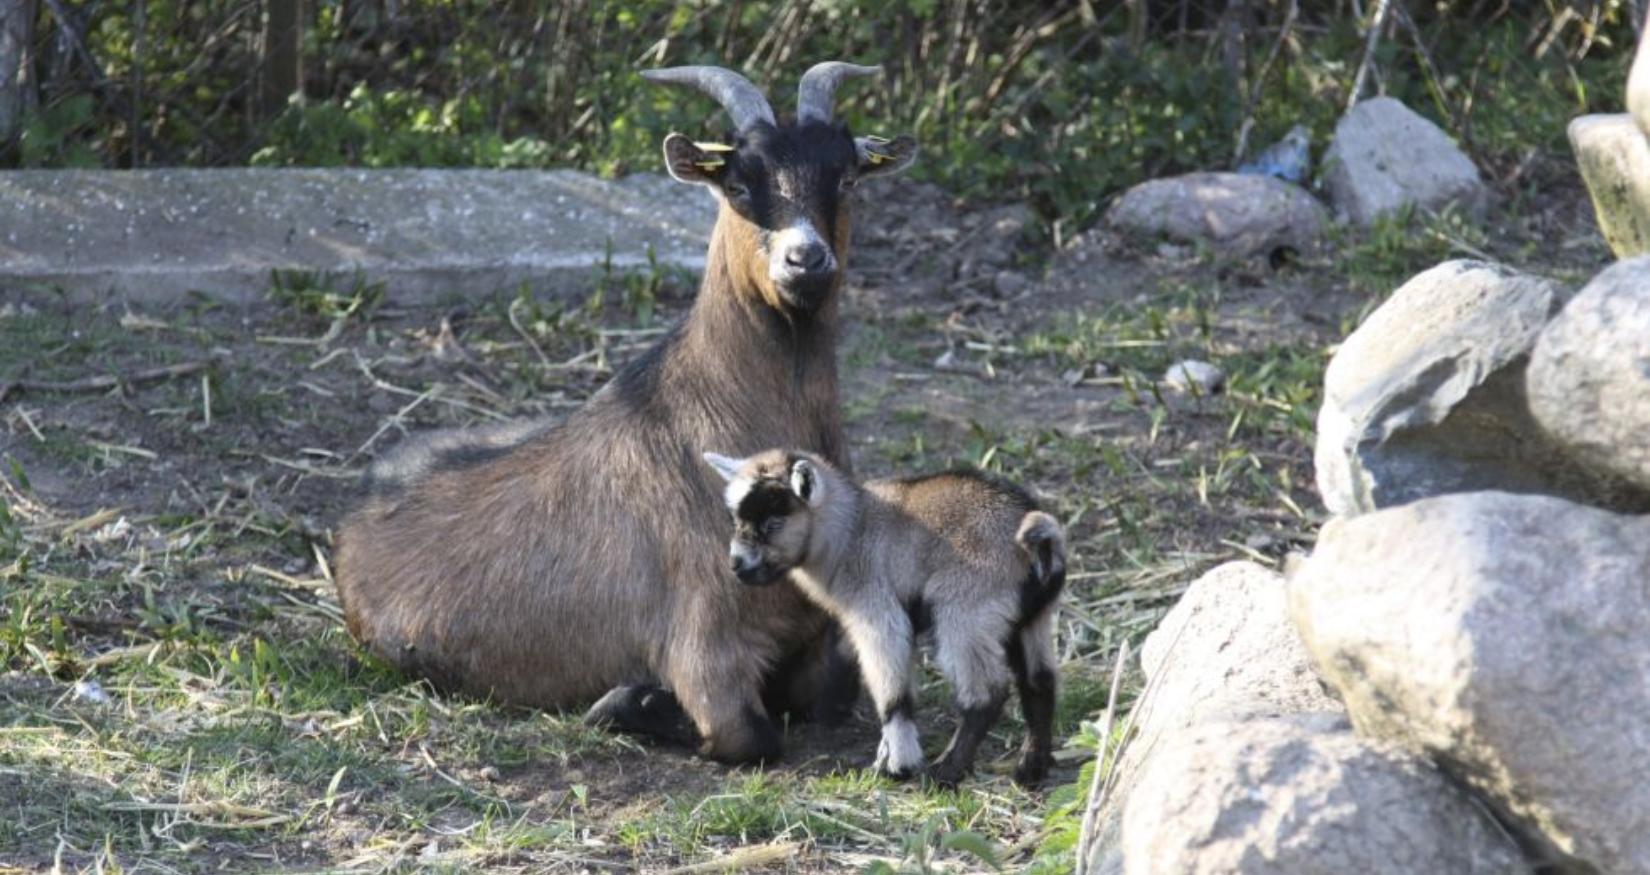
964,556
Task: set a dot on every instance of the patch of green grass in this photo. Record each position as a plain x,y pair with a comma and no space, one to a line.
1375,262
330,297
1136,342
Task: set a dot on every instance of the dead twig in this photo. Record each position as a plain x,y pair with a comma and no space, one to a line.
108,381
1372,41
1086,831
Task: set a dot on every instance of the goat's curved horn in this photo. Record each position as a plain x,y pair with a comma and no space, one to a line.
817,92
743,101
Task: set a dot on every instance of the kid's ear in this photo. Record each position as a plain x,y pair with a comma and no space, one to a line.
805,482
728,468
701,163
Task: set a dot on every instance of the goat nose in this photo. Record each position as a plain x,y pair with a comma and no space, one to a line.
810,258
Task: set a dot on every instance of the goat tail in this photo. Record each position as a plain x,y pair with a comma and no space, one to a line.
1044,544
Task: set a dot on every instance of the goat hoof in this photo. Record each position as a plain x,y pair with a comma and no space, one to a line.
643,709
754,743
947,774
883,770
1031,771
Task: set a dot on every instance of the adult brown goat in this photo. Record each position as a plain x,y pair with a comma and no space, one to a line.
545,564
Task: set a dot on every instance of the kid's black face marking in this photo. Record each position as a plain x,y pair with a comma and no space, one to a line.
759,522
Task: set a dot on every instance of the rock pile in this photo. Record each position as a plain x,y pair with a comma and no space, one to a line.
1385,158
1455,680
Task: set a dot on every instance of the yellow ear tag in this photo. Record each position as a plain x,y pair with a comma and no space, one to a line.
709,165
714,147
875,140
876,157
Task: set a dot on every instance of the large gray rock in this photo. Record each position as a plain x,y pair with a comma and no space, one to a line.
1427,397
1234,213
1302,796
1225,651
1589,380
1504,637
1385,157
161,233
1614,156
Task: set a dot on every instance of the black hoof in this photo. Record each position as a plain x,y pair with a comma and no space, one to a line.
758,743
1032,770
643,709
946,775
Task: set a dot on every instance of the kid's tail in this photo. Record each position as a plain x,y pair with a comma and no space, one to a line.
1044,543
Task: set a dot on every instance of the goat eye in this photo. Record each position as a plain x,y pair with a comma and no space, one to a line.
772,527
848,183
736,190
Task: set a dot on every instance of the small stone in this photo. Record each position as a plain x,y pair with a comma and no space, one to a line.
91,691
1009,283
1197,377
488,774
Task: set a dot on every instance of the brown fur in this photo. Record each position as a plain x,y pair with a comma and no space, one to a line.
588,555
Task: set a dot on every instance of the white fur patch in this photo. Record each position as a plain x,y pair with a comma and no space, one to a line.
736,491
800,234
900,751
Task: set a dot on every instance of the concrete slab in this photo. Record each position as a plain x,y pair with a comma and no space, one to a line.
154,234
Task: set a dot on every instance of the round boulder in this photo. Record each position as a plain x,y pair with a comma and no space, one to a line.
1235,214
1589,379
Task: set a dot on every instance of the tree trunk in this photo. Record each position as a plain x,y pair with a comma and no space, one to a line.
16,41
283,52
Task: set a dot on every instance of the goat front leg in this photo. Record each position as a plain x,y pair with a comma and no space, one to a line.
715,667
883,641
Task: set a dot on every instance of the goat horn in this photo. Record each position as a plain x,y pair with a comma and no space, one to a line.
817,92
743,101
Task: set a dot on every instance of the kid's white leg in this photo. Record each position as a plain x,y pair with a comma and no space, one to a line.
884,644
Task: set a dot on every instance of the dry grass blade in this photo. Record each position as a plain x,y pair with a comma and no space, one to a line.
1086,836
90,522
110,381
742,858
239,816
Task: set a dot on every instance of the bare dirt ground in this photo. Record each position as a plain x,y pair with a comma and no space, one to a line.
178,692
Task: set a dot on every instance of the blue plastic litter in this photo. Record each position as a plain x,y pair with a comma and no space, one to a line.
1288,159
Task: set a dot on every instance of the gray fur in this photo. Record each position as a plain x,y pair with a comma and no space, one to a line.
976,552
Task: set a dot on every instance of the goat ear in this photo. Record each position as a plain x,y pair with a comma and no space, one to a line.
805,482
688,161
728,468
880,157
